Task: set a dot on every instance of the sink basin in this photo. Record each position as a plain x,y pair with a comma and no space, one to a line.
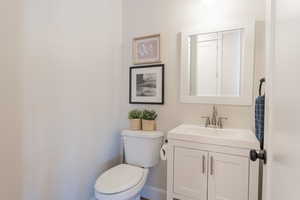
241,138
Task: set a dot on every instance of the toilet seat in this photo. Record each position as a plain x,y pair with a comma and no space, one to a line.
121,182
119,179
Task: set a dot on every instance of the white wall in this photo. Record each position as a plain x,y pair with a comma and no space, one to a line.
67,130
70,89
10,108
282,124
169,17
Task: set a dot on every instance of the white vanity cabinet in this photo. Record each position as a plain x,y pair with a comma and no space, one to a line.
228,177
205,168
190,172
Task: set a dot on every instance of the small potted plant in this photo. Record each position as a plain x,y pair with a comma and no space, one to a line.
148,120
135,119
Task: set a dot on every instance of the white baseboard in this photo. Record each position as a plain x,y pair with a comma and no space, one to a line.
153,193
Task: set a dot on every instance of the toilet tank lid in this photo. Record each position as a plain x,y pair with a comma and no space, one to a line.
142,134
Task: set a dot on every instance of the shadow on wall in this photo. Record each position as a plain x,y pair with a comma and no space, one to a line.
10,100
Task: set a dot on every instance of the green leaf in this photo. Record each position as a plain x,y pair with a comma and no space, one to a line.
149,115
135,114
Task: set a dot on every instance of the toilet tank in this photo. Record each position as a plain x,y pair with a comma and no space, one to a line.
142,148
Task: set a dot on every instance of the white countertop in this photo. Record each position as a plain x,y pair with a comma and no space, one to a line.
241,138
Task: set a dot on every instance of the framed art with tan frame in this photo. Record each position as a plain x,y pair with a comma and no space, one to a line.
146,50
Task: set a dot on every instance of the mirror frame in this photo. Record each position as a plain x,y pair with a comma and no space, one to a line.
247,68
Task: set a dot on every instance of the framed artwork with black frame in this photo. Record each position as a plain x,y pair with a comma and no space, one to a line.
146,84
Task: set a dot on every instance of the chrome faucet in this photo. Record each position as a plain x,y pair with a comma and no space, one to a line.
214,121
220,122
214,117
207,121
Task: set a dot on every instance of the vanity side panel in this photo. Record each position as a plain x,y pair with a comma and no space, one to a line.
253,180
170,170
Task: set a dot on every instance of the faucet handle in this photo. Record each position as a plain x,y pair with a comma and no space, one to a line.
207,121
220,121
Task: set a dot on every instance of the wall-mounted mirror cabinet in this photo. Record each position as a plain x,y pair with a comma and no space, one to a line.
217,65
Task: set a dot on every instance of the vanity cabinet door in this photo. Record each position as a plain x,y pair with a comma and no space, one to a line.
190,173
228,177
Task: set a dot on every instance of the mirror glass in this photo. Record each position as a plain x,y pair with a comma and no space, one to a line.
214,61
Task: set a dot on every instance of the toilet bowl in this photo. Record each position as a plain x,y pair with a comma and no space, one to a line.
123,182
126,181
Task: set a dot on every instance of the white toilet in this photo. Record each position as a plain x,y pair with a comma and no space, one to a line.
125,181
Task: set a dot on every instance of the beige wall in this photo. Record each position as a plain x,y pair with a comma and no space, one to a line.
169,17
70,95
10,98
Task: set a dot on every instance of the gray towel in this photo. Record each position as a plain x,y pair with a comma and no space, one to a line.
260,117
